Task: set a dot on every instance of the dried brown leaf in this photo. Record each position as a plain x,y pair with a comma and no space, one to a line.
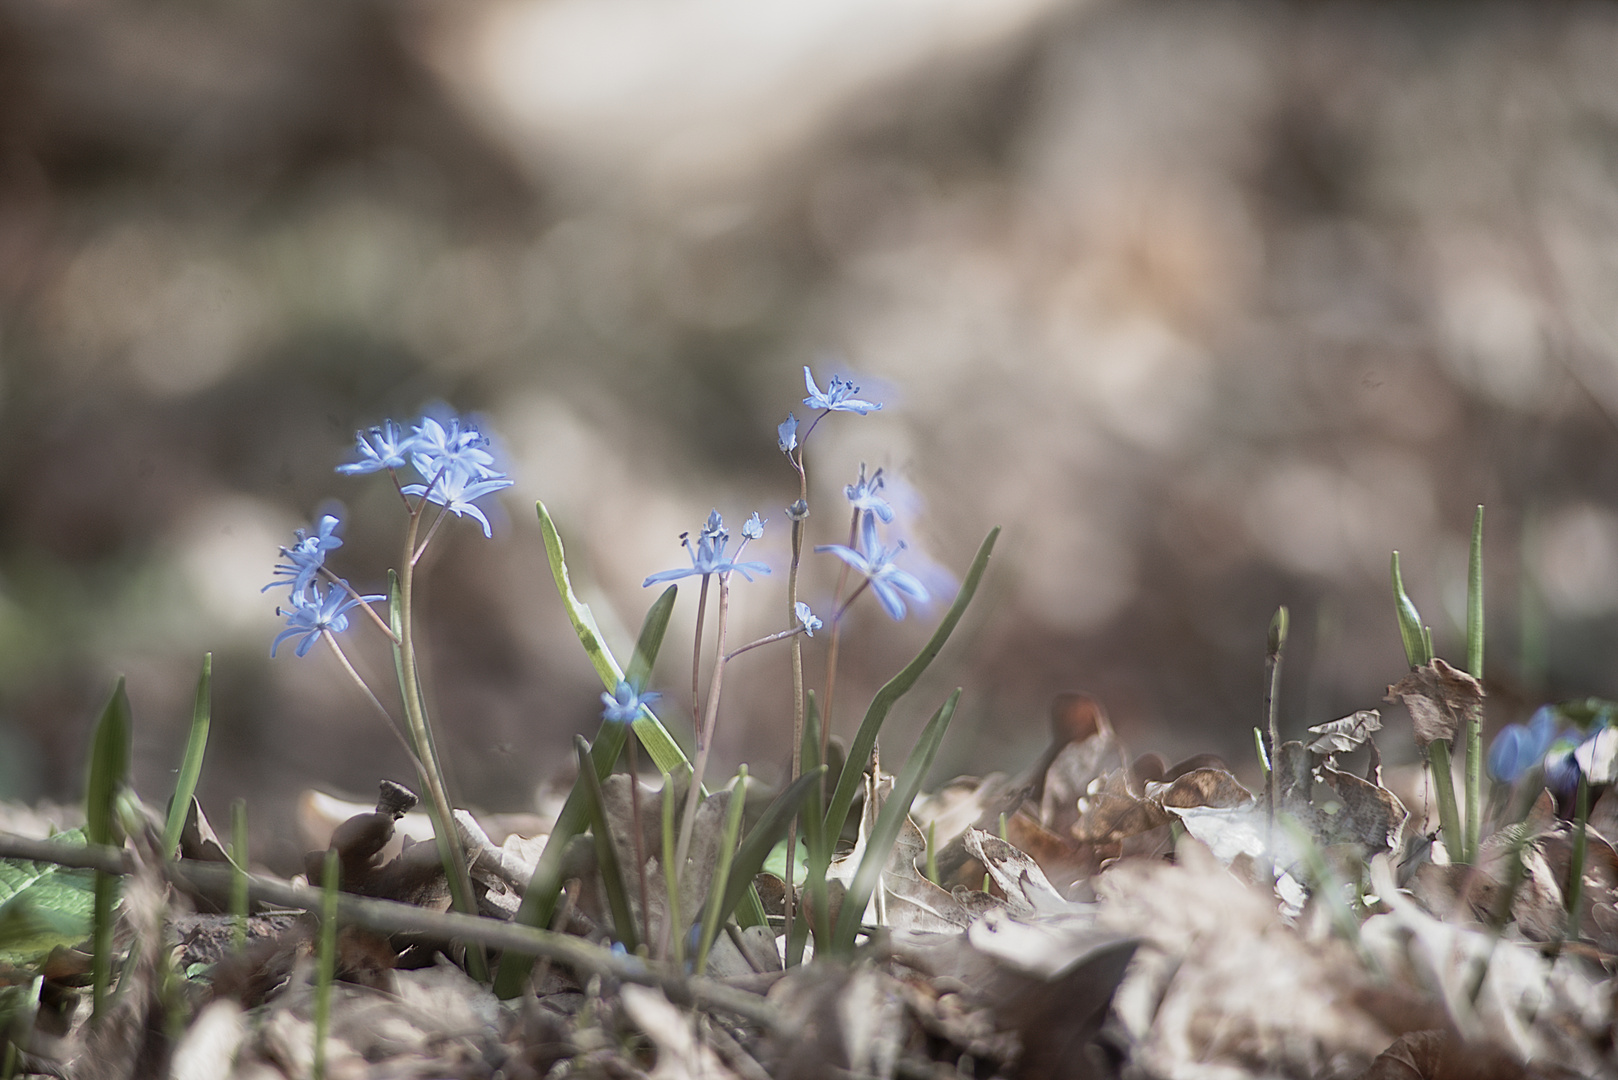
1018,876
1345,735
1439,698
1200,787
1110,812
1372,817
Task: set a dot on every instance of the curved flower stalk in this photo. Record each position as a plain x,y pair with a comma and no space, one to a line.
455,465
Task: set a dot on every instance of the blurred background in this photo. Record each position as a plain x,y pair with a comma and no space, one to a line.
1210,304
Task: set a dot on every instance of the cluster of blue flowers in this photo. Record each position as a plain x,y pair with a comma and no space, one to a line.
1562,751
453,460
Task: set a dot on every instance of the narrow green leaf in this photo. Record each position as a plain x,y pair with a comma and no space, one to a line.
539,901
879,844
817,846
859,752
191,765
659,744
767,832
721,876
327,960
1417,651
671,873
612,874
109,768
238,881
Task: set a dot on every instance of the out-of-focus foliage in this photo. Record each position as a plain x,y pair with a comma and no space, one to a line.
1210,305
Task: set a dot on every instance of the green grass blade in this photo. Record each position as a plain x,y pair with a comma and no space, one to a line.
539,901
814,839
664,751
1417,651
859,752
109,770
239,865
671,873
327,960
768,831
879,844
721,874
191,765
612,873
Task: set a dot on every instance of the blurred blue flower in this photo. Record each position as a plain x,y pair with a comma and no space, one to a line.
708,554
624,704
455,491
839,395
1561,768
305,558
867,495
439,448
871,559
1518,748
806,618
786,434
753,528
385,447
310,613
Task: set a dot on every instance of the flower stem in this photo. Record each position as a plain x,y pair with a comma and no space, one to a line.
348,666
797,679
705,731
449,845
838,607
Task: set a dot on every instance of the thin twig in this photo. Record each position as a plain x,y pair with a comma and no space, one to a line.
391,917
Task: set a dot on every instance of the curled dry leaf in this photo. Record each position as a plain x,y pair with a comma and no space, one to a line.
1018,876
1346,735
680,1056
1439,698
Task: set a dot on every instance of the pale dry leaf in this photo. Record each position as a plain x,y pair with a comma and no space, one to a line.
211,1043
1439,698
1018,876
1221,985
1199,787
1345,735
680,1056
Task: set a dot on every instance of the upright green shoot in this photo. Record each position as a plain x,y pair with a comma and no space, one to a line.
326,960
185,786
1418,652
109,771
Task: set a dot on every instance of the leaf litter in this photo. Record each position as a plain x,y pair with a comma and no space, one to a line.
1094,917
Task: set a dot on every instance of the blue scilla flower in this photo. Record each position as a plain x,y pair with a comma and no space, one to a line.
305,558
867,495
753,527
1561,767
1518,748
871,559
385,447
786,434
455,489
839,395
806,618
313,612
708,554
444,448
624,704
